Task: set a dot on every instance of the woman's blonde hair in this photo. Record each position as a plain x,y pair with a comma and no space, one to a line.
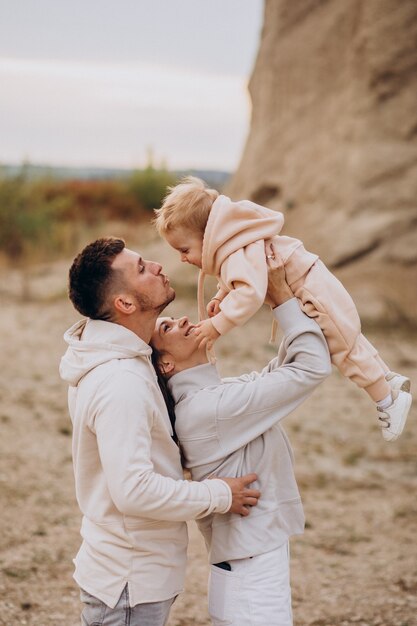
186,205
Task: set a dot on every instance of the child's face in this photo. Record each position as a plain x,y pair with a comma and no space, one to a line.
188,243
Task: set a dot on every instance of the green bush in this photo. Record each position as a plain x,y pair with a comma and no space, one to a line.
149,186
40,218
26,218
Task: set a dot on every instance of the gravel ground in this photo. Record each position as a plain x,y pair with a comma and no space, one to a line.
356,562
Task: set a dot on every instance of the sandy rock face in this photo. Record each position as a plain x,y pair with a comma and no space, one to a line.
333,141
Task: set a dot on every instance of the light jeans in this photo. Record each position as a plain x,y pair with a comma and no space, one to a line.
256,592
96,613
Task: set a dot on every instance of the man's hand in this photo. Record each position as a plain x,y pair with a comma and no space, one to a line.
278,290
242,497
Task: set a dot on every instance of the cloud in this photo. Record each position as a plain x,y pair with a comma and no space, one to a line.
108,114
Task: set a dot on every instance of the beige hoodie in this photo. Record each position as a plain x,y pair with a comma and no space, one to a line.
128,476
234,252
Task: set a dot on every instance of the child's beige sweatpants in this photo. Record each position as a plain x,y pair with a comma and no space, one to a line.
324,298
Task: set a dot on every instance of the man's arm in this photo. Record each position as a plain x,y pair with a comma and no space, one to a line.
123,426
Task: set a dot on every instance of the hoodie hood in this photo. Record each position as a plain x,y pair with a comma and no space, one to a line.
230,227
94,342
234,225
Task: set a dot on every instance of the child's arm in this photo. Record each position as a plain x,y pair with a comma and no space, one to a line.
245,274
213,306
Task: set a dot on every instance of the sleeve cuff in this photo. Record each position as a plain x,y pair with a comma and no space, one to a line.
221,323
289,315
221,494
221,293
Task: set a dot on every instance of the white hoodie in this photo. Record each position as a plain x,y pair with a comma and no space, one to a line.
128,476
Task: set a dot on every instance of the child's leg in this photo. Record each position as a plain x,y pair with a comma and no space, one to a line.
395,380
364,355
382,364
324,298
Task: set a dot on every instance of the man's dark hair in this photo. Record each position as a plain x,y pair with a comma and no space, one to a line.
91,277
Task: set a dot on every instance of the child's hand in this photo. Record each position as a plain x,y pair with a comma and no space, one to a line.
213,307
207,333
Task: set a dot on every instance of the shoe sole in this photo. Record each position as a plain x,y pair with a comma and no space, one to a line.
403,422
406,386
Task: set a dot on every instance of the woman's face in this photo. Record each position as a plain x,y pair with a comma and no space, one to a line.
175,337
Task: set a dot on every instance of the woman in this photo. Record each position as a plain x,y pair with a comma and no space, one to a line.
231,426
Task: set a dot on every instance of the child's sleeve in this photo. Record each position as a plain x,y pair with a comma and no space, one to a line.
245,273
220,293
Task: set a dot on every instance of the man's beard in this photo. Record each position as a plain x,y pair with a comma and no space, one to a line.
146,303
168,300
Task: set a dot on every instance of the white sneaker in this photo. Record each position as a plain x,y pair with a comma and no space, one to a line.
398,381
393,418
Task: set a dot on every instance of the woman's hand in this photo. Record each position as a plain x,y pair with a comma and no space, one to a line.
278,290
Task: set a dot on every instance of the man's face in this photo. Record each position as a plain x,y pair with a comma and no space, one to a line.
188,243
176,337
145,280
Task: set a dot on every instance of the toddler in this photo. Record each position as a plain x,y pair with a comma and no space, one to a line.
227,239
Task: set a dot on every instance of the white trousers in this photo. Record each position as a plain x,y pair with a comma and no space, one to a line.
256,592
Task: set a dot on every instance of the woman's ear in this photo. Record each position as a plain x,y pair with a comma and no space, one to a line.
166,364
124,304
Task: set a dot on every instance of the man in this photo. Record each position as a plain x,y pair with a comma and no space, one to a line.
128,475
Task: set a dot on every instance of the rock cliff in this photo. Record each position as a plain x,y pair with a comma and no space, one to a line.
333,141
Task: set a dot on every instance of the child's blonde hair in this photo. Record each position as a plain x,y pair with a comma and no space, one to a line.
186,205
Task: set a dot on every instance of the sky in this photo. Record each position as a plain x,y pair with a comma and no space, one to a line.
102,82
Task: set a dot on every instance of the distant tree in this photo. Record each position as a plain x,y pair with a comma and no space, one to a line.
43,218
149,186
95,201
26,222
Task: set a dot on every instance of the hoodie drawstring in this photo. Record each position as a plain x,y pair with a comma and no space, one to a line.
274,328
202,312
200,296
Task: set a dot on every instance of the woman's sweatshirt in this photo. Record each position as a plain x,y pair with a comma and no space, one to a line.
232,426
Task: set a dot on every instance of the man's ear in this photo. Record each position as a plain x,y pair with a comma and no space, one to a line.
124,304
166,364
